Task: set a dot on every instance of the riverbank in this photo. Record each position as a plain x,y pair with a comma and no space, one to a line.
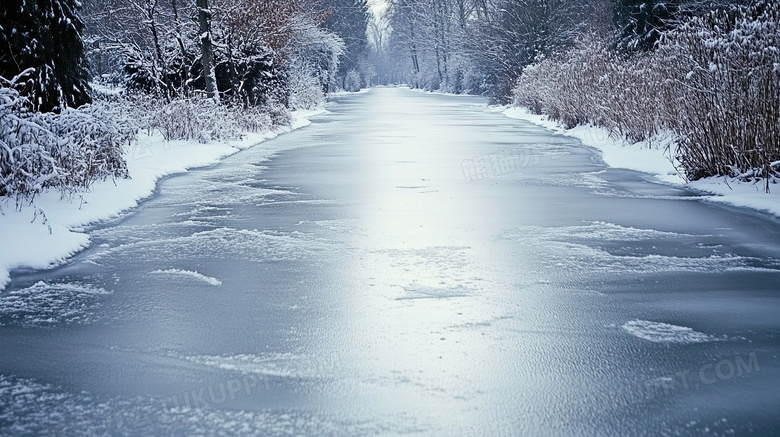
50,230
656,157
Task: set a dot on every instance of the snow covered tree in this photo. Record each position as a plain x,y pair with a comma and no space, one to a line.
641,23
44,36
349,20
315,50
516,32
206,49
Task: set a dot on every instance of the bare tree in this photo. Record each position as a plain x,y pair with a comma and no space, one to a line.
207,51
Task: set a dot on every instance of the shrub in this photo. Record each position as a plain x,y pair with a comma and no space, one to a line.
202,119
306,91
725,69
66,151
714,82
352,81
593,84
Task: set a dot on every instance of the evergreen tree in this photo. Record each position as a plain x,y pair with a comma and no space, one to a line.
45,36
641,22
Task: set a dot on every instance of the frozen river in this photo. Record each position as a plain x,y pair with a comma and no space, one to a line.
410,264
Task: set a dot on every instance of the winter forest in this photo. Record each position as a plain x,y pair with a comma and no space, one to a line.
80,80
431,218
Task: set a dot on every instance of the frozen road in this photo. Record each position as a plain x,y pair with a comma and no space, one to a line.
422,266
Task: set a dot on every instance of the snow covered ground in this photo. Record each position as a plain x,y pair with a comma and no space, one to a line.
49,231
655,158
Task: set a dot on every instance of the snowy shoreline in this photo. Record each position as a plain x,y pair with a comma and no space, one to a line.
47,233
652,159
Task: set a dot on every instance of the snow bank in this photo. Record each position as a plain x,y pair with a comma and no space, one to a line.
653,157
48,232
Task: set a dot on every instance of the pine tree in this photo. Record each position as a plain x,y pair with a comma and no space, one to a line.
45,36
642,22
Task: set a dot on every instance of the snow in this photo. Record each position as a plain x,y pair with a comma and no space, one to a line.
37,408
106,89
741,194
658,332
284,365
47,233
337,94
188,274
653,157
45,304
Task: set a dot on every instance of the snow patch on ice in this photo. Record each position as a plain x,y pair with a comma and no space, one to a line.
658,332
222,243
418,292
428,272
574,256
188,273
597,245
30,408
597,231
285,365
44,304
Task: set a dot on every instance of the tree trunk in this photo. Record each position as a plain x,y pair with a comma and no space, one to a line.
207,51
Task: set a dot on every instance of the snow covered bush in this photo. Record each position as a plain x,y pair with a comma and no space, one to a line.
92,142
26,164
594,84
714,82
352,82
201,119
196,118
315,52
305,90
66,151
725,69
